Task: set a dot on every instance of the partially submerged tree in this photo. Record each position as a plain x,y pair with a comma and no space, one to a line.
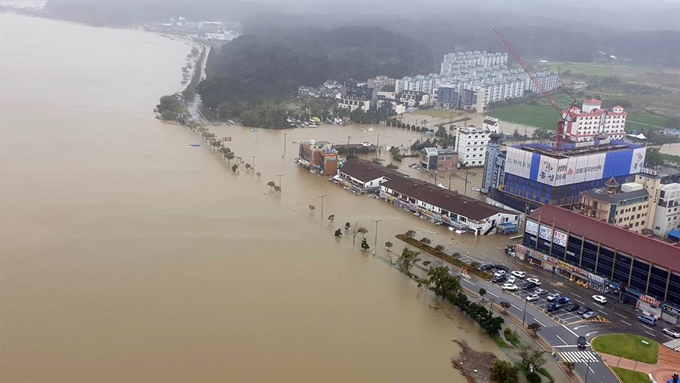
364,245
504,372
407,259
388,245
410,234
338,233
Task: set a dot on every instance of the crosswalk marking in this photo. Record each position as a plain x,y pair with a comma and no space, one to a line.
673,344
579,356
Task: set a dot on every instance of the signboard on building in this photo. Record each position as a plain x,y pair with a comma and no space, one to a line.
649,300
531,228
638,160
565,266
671,310
567,171
560,238
518,162
545,232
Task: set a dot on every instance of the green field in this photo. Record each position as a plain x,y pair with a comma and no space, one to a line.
600,70
650,119
439,113
539,116
630,376
627,346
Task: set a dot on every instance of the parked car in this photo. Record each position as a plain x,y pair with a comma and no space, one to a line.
646,319
540,291
498,273
529,286
582,342
519,274
589,314
553,307
532,297
500,279
599,299
563,300
476,189
487,267
671,332
552,297
572,307
534,280
509,287
500,266
584,310
512,279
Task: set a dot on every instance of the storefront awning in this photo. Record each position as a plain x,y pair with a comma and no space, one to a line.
674,234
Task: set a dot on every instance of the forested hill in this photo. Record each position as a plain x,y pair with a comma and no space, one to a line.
276,62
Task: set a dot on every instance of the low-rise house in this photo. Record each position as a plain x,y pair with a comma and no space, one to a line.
380,81
445,207
414,98
318,157
363,176
438,159
307,92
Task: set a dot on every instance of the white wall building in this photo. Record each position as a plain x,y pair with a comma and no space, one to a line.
353,103
667,215
471,142
592,121
454,62
549,81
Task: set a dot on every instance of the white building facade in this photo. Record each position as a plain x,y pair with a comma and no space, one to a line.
667,214
471,142
592,121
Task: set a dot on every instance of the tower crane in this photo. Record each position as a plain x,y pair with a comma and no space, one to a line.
563,117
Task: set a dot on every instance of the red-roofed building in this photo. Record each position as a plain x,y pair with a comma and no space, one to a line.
591,121
607,257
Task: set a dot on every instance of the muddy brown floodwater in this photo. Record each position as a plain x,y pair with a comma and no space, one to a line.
127,256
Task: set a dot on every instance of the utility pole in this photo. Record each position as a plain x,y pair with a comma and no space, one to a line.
378,144
254,157
436,174
525,311
280,175
450,175
284,144
375,244
348,137
322,197
587,370
466,176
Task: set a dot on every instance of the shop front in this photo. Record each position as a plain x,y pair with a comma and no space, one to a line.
532,256
564,269
596,282
670,314
649,306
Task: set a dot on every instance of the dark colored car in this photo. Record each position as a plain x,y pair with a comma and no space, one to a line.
529,286
500,279
572,307
487,267
553,307
501,266
584,310
563,300
582,343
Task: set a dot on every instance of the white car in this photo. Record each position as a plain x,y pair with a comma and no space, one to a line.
534,280
552,297
476,189
519,274
671,332
532,297
512,279
599,299
509,287
499,273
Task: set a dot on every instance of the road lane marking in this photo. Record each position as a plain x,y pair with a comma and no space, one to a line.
513,305
558,337
576,295
581,302
537,321
650,333
578,327
568,329
591,369
623,321
603,313
591,333
490,293
622,316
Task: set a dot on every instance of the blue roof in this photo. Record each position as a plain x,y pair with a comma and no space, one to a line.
674,233
507,224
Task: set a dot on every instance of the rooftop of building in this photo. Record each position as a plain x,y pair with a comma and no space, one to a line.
366,170
611,236
601,195
443,198
436,151
575,150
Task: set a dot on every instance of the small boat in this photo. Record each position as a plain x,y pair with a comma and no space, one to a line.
193,145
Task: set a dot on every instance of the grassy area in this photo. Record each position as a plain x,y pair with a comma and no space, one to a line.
500,342
601,70
539,116
630,376
627,346
670,158
650,119
439,113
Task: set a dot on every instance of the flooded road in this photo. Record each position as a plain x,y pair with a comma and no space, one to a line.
127,256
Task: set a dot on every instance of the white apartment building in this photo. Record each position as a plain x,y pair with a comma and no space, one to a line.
667,215
471,142
591,121
504,90
353,103
455,61
549,81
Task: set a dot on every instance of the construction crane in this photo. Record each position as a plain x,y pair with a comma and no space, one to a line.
562,122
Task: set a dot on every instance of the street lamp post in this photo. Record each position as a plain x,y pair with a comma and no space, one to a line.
254,157
587,370
375,244
322,197
525,311
450,175
280,175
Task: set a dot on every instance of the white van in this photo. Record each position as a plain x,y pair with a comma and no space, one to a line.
646,319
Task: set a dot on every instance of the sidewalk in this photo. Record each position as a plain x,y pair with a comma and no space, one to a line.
668,364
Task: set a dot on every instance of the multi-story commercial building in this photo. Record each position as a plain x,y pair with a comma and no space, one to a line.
611,259
624,205
379,82
591,122
438,159
667,215
537,174
318,157
471,142
494,163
